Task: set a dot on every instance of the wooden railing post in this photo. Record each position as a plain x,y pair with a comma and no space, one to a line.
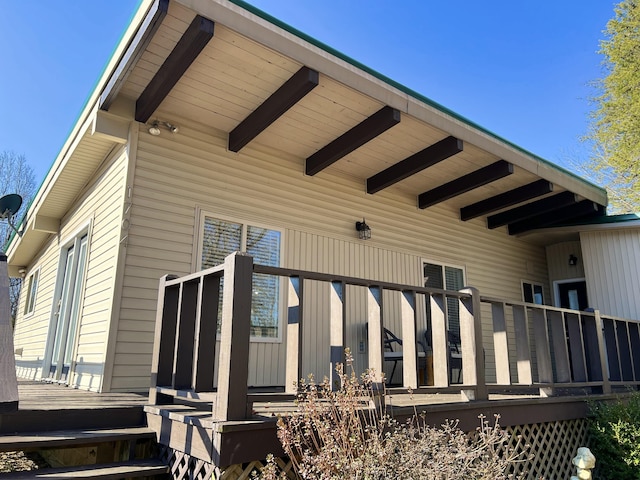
473,373
409,354
8,381
523,350
439,341
293,372
164,339
235,335
500,343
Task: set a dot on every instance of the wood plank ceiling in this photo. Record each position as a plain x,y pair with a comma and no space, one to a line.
183,63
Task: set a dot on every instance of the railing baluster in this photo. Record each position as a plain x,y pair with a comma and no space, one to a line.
543,351
500,344
624,350
592,348
473,373
439,342
235,334
612,350
409,353
523,349
293,372
634,340
559,341
207,330
186,328
602,350
336,330
164,339
576,348
374,332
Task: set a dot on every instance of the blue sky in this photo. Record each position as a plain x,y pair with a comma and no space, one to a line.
520,69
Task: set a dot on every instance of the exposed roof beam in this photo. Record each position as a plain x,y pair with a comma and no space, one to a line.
301,83
506,199
585,208
368,129
138,45
532,209
187,49
415,163
467,182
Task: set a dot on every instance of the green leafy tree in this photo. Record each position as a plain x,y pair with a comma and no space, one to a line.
615,126
16,176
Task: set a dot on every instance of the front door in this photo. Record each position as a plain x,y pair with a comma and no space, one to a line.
573,295
65,322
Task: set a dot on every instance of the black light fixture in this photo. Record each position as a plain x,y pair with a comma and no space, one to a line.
573,260
364,230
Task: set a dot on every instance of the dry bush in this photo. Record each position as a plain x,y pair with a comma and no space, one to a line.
348,434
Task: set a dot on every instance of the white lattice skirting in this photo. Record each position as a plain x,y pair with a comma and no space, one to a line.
551,444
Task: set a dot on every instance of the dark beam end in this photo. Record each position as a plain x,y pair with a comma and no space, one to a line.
506,199
415,163
466,183
532,209
367,130
290,93
585,208
187,49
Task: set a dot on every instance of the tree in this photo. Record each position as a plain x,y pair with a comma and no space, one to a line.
615,122
16,176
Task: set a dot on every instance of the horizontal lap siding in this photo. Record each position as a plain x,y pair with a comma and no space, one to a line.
612,267
177,174
102,204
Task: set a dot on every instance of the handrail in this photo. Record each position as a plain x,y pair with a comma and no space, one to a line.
533,345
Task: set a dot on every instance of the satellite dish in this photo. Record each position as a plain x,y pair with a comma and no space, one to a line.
9,205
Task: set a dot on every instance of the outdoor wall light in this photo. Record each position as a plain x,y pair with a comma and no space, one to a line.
573,260
364,230
154,129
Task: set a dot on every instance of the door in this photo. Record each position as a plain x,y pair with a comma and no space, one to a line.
573,295
67,314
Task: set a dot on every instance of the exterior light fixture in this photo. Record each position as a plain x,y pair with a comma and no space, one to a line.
364,230
573,260
154,129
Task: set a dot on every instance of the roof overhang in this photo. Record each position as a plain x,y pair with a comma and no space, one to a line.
228,67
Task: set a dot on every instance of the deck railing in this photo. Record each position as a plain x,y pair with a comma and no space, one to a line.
533,346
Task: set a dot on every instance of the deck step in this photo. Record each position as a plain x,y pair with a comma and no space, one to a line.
70,438
105,471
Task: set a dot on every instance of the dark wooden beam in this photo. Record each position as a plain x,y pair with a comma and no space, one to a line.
506,199
301,83
368,129
585,208
467,182
136,48
187,49
532,209
415,163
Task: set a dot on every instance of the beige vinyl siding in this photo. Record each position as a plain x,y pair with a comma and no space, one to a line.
179,175
98,208
612,266
558,264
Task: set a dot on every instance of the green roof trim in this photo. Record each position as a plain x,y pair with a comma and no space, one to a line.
294,31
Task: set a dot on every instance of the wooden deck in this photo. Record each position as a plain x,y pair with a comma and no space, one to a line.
47,406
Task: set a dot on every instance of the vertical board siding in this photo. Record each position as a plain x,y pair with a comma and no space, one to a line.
177,175
612,266
100,204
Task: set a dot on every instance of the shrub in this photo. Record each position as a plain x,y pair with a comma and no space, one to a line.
614,430
348,434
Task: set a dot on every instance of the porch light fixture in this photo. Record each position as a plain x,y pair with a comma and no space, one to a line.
154,129
364,230
573,260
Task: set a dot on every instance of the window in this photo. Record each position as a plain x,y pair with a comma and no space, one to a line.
32,288
447,278
223,237
532,293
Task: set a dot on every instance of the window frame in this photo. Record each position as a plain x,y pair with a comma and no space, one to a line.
246,222
31,293
443,266
533,293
